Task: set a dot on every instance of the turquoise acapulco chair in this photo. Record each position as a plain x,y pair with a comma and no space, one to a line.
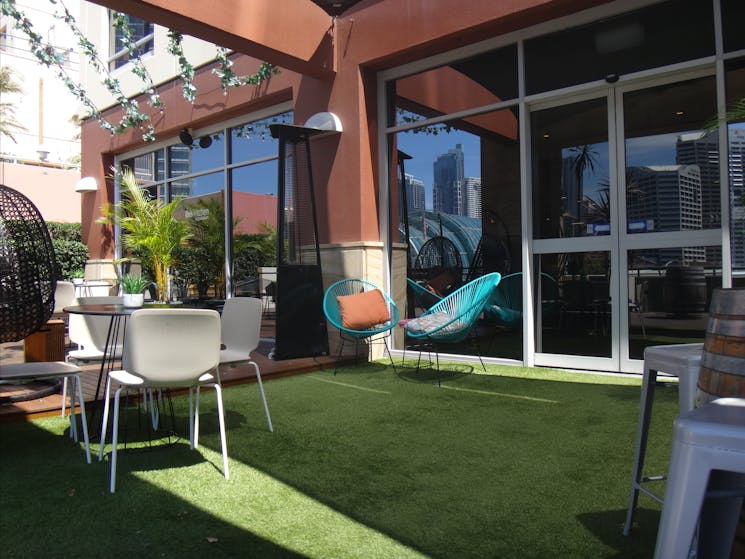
451,320
370,332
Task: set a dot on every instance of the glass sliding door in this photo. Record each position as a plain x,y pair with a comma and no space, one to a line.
574,232
627,221
671,247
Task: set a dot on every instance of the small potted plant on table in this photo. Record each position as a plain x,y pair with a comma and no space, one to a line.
77,277
132,288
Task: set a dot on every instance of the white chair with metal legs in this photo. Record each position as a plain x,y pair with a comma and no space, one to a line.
89,333
708,438
168,348
54,370
241,332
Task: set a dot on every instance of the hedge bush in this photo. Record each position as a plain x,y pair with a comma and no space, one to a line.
71,253
71,257
65,231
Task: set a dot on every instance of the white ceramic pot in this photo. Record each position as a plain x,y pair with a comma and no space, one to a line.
133,299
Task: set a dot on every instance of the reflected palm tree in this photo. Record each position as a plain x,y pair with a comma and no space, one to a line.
584,158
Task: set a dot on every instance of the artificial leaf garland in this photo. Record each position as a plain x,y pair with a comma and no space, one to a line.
133,117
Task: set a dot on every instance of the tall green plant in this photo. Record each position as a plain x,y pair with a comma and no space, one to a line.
149,229
208,240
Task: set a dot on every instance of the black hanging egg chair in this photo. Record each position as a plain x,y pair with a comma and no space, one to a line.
27,267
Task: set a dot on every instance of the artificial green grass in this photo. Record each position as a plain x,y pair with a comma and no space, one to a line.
517,463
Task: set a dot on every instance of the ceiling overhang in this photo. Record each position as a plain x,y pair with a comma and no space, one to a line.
291,34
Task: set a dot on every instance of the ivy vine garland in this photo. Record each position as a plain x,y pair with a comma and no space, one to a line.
133,117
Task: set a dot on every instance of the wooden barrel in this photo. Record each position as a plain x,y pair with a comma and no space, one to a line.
684,290
723,360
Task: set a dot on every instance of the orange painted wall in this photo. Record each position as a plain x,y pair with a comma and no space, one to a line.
51,190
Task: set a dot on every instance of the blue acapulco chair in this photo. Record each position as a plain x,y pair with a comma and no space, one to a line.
371,333
451,320
505,306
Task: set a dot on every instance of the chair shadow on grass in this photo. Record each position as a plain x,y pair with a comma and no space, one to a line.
48,473
136,432
607,526
427,370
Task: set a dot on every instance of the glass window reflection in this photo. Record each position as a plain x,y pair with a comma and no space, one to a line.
570,170
620,45
578,323
669,294
207,152
735,87
479,81
259,178
672,166
253,140
459,203
198,186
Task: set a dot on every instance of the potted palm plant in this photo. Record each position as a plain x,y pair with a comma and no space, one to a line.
132,290
149,229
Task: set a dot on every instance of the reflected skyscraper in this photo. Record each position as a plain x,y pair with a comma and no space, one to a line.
414,194
472,196
448,180
736,174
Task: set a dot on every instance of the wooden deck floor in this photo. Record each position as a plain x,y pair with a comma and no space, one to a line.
51,404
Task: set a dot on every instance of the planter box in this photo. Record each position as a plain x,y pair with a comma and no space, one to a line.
48,344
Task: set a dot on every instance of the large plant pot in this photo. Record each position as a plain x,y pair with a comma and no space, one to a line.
133,299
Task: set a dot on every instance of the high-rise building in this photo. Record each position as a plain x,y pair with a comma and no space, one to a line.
736,171
414,194
472,196
448,179
667,198
703,150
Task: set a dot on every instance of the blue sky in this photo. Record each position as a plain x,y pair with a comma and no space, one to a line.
424,149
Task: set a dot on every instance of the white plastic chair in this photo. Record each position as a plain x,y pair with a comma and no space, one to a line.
64,295
89,334
53,370
241,332
168,348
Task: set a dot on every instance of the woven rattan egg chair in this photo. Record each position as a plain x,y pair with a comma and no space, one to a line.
27,286
27,267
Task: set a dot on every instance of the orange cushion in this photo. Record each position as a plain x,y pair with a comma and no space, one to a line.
363,310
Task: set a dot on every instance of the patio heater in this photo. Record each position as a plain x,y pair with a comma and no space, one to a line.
301,324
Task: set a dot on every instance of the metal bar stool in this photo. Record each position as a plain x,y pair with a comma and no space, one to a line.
683,361
705,439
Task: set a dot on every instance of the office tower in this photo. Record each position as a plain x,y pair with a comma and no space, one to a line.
703,151
735,170
448,179
414,194
667,198
472,196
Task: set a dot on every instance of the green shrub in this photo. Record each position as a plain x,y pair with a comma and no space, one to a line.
65,231
192,267
71,257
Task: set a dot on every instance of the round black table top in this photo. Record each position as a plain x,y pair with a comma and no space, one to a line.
110,309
